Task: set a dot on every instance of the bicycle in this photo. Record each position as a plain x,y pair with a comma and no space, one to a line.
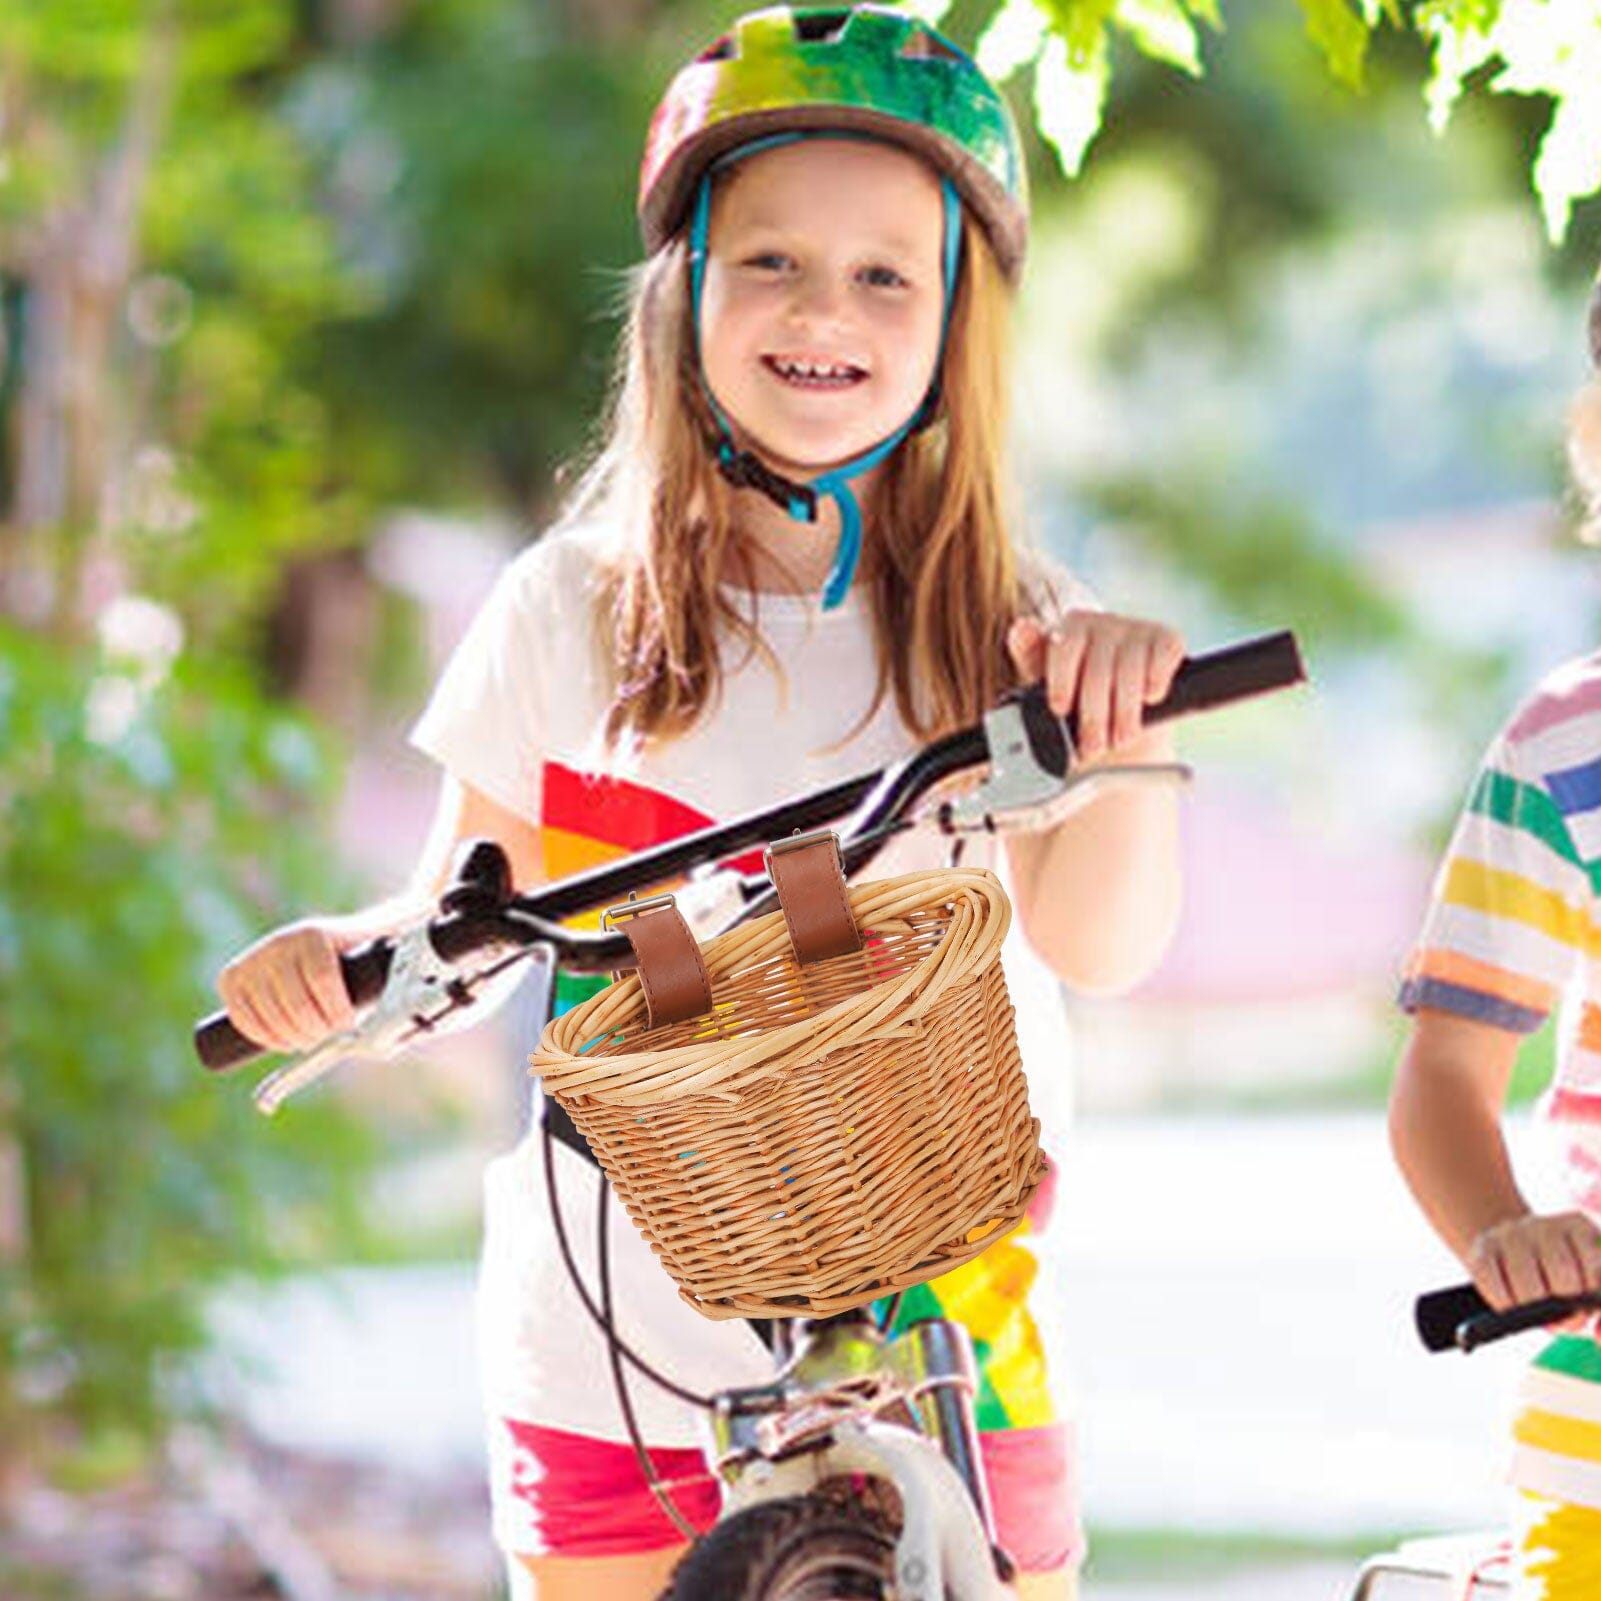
1475,1566
855,1470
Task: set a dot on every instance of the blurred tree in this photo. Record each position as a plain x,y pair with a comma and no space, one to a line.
165,267
493,246
148,835
162,261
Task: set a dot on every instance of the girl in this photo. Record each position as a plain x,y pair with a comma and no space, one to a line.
1515,925
812,397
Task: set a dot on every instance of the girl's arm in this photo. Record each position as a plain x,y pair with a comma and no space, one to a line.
1445,1129
1098,895
286,992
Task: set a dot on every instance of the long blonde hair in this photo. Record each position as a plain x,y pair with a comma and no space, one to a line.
937,563
1584,456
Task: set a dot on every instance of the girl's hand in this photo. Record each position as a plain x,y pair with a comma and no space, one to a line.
1103,668
286,991
1530,1257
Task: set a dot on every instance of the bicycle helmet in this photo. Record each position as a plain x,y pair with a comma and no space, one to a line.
864,69
863,72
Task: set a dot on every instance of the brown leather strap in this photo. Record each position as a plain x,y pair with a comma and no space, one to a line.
810,881
671,970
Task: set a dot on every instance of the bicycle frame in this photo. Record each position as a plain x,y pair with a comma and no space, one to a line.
820,1421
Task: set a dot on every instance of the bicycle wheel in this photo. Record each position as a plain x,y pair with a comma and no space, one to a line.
799,1549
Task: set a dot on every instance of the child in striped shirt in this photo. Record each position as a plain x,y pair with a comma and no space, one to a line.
1514,932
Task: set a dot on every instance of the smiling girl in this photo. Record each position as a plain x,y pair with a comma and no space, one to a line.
791,564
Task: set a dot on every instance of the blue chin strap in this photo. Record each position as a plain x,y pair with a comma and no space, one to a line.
743,468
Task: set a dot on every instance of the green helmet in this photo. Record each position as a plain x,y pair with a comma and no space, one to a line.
864,69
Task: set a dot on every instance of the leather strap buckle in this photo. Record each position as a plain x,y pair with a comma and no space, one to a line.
632,908
797,842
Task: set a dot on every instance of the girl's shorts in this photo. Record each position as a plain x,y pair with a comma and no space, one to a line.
563,1486
567,1495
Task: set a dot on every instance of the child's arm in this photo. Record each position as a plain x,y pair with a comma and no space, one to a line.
1098,895
286,992
1445,1129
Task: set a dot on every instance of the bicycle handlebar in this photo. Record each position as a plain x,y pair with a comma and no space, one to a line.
1459,1318
875,805
1231,674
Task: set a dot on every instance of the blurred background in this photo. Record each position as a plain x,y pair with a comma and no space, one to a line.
306,312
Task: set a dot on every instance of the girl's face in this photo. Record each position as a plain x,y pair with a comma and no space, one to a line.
820,315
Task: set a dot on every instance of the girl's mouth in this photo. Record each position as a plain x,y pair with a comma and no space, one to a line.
810,374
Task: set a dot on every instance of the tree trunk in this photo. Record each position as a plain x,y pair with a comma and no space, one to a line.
75,267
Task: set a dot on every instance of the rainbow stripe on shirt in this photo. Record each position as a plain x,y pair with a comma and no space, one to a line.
1513,921
1557,1425
587,821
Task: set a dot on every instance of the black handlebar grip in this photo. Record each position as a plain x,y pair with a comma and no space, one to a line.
220,1045
1488,1326
1237,672
1440,1313
1460,1317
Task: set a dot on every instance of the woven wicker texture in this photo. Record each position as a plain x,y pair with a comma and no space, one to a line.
828,1133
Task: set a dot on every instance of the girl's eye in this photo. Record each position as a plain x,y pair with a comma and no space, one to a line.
883,278
768,261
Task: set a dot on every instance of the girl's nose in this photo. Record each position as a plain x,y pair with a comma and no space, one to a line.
818,297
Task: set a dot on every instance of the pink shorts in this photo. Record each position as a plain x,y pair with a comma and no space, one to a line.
568,1495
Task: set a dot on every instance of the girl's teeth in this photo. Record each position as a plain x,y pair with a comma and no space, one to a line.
807,369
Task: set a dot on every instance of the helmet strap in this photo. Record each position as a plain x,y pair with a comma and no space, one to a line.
743,468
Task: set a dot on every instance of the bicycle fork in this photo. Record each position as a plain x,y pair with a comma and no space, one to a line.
852,1401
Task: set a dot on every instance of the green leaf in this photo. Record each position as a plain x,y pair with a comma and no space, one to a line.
1555,50
1069,100
1342,36
1569,164
1162,29
1081,26
1459,48
1013,37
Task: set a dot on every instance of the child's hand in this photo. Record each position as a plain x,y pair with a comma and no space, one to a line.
1528,1258
1103,668
286,992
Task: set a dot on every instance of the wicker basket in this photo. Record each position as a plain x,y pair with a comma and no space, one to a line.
829,1132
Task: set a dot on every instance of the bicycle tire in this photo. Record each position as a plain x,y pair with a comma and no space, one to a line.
801,1548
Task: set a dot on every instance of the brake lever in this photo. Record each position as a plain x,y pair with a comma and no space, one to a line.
304,1071
1073,793
421,991
1025,789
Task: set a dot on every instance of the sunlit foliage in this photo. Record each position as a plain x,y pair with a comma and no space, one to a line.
1545,48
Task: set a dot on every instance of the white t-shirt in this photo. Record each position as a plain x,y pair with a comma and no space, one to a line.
516,715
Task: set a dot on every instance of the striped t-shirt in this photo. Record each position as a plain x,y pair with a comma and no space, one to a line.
1513,932
1514,927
